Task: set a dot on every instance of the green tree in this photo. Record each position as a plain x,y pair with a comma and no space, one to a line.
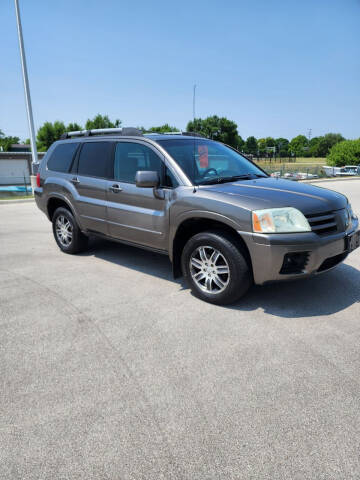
270,142
327,142
282,146
101,121
251,146
216,128
261,146
73,127
241,143
298,145
59,129
343,153
314,146
161,129
6,142
49,133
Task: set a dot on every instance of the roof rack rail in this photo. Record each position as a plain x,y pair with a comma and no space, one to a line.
170,133
126,131
187,134
193,134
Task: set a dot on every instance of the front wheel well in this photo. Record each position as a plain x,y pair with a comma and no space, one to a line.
191,227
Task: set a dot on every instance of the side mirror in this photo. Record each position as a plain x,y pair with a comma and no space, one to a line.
147,179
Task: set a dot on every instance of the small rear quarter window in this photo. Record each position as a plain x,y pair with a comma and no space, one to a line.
62,156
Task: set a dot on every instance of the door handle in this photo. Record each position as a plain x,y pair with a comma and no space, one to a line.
115,188
75,180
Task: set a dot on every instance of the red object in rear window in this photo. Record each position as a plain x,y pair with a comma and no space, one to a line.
38,179
203,156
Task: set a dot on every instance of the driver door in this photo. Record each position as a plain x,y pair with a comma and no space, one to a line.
134,214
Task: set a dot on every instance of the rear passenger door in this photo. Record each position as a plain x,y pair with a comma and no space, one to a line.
135,214
90,175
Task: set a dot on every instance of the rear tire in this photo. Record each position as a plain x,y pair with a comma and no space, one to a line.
67,233
216,268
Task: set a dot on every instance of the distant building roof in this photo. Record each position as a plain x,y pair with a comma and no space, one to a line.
20,147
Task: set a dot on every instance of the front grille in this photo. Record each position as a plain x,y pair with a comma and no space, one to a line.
323,223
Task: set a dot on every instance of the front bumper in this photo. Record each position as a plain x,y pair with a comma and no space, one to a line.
267,253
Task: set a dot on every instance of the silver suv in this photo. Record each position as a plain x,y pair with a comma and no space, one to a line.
221,219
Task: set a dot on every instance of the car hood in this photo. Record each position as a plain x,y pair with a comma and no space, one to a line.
272,192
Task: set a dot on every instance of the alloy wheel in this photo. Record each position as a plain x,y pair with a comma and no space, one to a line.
209,269
64,231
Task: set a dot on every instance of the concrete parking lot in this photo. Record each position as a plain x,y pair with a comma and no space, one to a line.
110,369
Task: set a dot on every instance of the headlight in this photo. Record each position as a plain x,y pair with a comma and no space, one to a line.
279,220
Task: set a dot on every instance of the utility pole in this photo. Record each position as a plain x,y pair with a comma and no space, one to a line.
194,100
35,162
309,134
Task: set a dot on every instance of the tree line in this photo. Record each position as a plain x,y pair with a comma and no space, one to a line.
226,131
331,145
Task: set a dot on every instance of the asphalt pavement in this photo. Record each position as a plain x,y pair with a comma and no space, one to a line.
110,369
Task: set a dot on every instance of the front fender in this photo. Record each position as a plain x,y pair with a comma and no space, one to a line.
198,214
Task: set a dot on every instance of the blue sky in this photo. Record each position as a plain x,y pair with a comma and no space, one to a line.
275,67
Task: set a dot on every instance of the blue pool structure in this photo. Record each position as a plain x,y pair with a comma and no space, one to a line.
14,190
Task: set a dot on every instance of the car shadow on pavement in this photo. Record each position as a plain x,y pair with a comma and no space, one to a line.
325,294
322,295
141,260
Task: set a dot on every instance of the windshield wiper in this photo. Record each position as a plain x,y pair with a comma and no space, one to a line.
233,178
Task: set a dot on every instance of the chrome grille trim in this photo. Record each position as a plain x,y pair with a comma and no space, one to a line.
323,223
323,226
321,218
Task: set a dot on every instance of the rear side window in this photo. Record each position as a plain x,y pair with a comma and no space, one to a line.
62,157
95,159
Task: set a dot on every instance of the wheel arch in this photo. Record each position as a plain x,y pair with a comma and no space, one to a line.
55,202
197,224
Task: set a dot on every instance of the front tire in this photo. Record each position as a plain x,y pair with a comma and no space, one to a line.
216,268
67,233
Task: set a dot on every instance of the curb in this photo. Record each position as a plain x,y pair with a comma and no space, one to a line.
22,200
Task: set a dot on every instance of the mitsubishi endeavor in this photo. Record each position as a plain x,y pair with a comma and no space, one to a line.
224,223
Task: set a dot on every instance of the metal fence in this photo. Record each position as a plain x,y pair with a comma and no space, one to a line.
257,159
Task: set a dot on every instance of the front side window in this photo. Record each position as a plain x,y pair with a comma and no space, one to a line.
95,159
131,157
62,157
205,161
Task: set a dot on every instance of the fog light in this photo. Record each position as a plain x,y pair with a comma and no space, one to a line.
294,263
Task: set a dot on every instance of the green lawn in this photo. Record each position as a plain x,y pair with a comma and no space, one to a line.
302,164
299,161
321,161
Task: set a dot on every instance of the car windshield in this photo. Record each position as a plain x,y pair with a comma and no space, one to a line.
208,162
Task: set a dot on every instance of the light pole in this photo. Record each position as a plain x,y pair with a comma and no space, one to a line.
194,100
35,162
